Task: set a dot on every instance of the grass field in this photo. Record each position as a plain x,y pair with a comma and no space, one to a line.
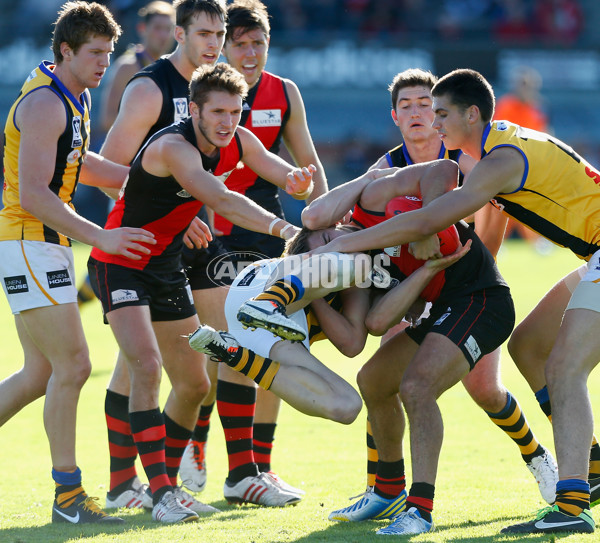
482,484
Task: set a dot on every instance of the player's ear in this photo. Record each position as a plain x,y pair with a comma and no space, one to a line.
473,114
194,109
179,34
394,117
66,50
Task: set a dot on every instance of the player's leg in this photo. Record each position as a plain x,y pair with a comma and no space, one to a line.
531,343
125,488
576,352
485,386
209,301
38,279
532,340
135,335
71,367
451,341
189,384
379,381
29,383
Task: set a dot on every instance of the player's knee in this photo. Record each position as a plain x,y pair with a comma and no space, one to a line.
365,383
413,389
346,409
191,390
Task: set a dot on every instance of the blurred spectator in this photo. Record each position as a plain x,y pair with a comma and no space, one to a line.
559,21
513,22
155,25
522,106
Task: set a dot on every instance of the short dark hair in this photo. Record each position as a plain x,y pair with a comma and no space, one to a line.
186,10
246,15
466,88
414,77
220,77
155,9
78,23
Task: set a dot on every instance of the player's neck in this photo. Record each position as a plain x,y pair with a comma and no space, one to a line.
68,80
182,63
424,150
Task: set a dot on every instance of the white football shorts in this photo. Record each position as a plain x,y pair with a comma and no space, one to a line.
36,274
250,282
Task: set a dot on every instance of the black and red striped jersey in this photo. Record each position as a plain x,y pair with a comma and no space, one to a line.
266,112
160,204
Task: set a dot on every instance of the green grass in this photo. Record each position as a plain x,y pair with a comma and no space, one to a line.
482,483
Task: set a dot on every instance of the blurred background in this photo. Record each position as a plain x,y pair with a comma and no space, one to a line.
343,54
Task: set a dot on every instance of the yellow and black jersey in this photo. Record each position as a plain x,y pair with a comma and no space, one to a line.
15,222
315,332
559,194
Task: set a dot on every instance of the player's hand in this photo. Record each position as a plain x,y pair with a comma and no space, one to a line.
299,182
123,241
425,249
440,264
197,235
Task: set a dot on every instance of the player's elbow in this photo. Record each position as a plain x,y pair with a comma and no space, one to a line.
354,345
310,218
29,202
376,324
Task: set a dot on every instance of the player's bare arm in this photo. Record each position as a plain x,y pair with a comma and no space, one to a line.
139,110
332,206
122,71
346,329
491,176
173,155
298,140
391,308
37,157
274,169
98,171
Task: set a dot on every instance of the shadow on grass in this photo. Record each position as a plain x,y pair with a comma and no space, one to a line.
138,526
364,532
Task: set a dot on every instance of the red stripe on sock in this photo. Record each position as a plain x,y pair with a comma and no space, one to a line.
155,433
117,425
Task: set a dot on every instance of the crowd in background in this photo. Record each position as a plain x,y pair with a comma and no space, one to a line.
508,21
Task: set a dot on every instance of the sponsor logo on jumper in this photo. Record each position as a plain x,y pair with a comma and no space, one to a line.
266,117
58,278
181,109
73,156
501,125
123,295
184,194
16,284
